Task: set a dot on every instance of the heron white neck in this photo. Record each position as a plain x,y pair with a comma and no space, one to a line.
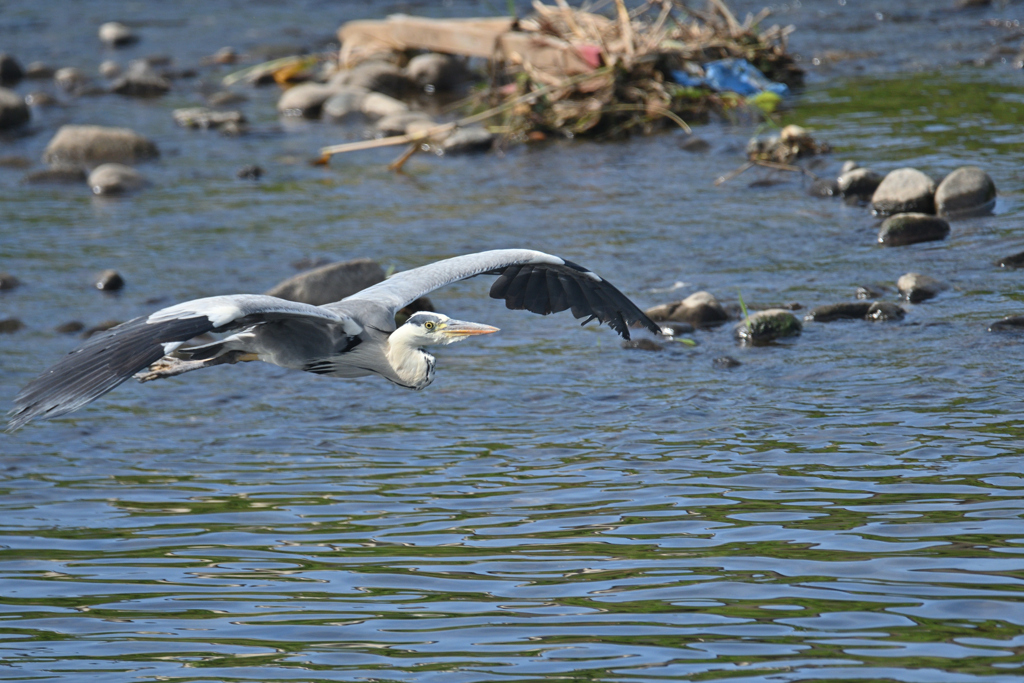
413,366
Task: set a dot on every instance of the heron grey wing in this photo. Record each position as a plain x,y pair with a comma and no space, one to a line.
528,280
111,357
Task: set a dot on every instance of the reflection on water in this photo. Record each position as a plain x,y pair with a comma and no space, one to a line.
843,506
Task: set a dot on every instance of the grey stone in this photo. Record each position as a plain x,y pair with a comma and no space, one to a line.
57,174
10,70
70,327
71,79
674,329
823,187
848,166
8,282
345,103
967,191
10,325
378,105
15,161
110,69
841,311
916,288
1011,323
13,110
108,179
140,81
201,117
435,72
40,98
700,309
643,345
911,228
96,145
695,145
859,182
766,326
116,34
397,124
726,362
39,70
1015,261
882,311
378,76
904,190
109,281
468,140
329,283
253,172
305,99
100,327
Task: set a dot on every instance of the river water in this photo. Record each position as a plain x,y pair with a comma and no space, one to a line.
845,505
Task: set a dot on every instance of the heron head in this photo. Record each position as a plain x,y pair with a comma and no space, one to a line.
433,329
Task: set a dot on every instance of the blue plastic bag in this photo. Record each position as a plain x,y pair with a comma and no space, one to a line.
734,75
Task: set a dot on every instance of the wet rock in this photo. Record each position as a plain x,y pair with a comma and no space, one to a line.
967,191
916,288
96,145
1011,323
72,80
726,362
911,228
468,140
201,117
109,281
57,174
869,292
8,282
377,105
10,325
695,145
305,100
13,110
905,190
823,187
250,172
140,80
15,161
642,345
378,76
224,98
116,34
40,98
110,69
39,70
107,179
1015,261
859,182
435,72
883,311
700,309
332,282
848,166
345,103
10,70
70,327
841,311
674,329
764,327
396,124
225,55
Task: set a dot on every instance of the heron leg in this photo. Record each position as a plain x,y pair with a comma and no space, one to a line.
169,366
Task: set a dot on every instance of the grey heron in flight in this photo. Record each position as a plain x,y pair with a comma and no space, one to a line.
353,337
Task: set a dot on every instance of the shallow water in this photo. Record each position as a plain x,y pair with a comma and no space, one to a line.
845,505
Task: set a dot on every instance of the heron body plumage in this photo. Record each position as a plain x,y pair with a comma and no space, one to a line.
351,338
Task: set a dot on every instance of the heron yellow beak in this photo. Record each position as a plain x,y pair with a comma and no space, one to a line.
459,328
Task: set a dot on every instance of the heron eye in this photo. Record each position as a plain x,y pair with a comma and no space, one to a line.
428,325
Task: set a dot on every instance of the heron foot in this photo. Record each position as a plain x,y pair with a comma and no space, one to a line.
169,366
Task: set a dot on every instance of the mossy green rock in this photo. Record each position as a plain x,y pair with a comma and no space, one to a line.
766,326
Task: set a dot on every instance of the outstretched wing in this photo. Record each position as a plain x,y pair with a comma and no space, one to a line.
530,280
111,357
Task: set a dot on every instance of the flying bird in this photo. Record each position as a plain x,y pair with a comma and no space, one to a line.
354,337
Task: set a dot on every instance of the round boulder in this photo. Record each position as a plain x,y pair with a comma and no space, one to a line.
10,70
859,182
883,311
904,190
109,179
823,187
71,79
332,282
96,145
468,140
109,281
1011,323
116,34
916,288
140,80
967,191
110,69
1014,261
13,110
378,76
766,326
911,228
435,72
39,70
345,103
378,105
856,310
305,100
700,309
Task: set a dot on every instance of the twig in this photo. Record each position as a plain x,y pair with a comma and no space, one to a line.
398,163
732,174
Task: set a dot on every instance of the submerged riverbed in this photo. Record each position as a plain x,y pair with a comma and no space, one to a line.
844,505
